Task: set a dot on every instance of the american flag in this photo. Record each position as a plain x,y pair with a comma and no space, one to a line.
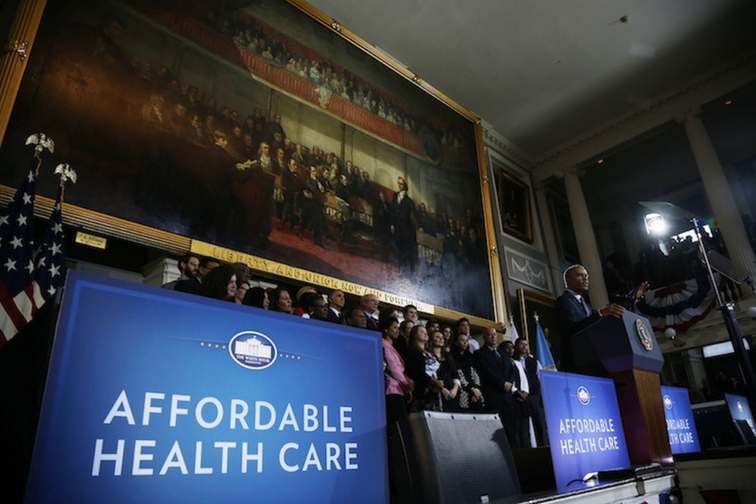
542,347
26,285
51,259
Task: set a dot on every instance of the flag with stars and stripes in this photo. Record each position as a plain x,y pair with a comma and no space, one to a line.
17,260
27,284
51,259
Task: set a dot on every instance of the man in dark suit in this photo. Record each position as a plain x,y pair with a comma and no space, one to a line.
315,197
336,301
497,377
292,186
402,213
369,306
575,314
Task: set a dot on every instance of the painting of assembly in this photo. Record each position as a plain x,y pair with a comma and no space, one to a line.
242,130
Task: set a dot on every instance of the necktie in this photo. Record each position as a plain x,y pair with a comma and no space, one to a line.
585,306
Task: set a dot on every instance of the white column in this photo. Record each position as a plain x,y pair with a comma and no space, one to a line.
586,240
719,194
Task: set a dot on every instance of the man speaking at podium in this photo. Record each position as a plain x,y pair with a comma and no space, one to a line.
575,314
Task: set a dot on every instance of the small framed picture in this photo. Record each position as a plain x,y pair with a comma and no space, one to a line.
514,204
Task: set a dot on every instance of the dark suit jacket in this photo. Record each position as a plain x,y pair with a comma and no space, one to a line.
291,182
494,372
332,317
372,324
414,367
191,285
572,318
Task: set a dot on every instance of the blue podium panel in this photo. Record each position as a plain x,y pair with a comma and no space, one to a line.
681,427
159,396
585,427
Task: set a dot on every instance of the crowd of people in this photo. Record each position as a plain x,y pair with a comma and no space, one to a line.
427,365
250,34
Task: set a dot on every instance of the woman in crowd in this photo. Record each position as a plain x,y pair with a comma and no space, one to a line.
280,301
446,373
387,313
402,342
241,291
398,384
433,326
314,306
307,289
421,367
470,396
220,283
257,297
448,333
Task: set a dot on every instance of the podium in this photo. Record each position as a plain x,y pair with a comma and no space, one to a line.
626,350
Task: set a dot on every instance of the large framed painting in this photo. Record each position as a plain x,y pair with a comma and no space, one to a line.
263,132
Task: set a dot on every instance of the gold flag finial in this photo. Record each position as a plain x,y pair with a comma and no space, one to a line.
41,142
66,173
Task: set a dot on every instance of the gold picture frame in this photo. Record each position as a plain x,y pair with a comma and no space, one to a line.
71,57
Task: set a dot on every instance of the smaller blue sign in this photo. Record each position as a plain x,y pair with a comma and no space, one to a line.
681,428
740,410
585,427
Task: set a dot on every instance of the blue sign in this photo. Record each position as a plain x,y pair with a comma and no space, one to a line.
585,427
740,410
681,427
159,396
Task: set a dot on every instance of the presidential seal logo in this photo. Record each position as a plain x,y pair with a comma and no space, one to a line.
668,401
583,396
252,350
643,335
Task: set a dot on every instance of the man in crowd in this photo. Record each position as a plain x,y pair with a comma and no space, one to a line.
356,318
206,265
531,367
463,327
410,313
187,266
369,305
521,391
497,378
336,301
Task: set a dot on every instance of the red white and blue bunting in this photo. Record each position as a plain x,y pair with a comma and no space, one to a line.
679,306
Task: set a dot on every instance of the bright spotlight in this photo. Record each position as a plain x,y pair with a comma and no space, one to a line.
655,224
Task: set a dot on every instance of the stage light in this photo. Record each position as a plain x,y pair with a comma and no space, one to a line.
655,224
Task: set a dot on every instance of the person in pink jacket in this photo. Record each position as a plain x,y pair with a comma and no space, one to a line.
398,385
